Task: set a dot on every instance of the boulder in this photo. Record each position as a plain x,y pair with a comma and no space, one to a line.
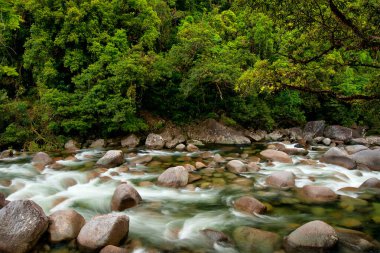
211,131
338,157
22,224
180,147
249,240
172,135
373,140
218,158
142,159
281,179
326,141
217,237
6,154
124,197
154,141
370,183
258,135
359,141
275,135
249,205
352,149
317,194
98,144
71,146
174,177
314,237
338,133
41,159
253,167
295,151
236,166
313,129
113,249
352,241
131,141
103,230
111,159
369,158
200,165
192,148
276,156
64,225
294,133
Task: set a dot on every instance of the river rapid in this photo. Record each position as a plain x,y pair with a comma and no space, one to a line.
172,220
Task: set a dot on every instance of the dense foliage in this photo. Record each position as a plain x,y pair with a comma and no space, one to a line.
90,67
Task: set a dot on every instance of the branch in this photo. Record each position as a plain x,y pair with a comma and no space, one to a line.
314,58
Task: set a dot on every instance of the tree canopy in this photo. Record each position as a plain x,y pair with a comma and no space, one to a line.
90,67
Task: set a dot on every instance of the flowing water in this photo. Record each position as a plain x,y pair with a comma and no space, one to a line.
171,220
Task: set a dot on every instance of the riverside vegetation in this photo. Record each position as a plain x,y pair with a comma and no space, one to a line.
92,68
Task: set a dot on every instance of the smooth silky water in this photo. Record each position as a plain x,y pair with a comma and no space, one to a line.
171,220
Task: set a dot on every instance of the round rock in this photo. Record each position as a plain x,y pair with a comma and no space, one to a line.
281,179
276,156
111,159
236,166
314,236
174,177
22,224
249,205
318,194
124,197
64,225
103,230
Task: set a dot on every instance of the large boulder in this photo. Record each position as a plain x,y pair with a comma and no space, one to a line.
41,159
154,141
249,240
352,241
98,144
103,230
258,135
338,157
338,133
211,131
373,140
124,197
352,149
368,158
276,156
294,133
131,141
111,159
174,177
313,129
249,205
71,146
236,166
64,225
22,224
314,237
172,136
370,183
317,194
281,179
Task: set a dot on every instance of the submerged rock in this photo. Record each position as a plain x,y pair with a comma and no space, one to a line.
174,177
370,183
338,157
65,225
352,241
22,224
236,166
103,230
124,197
217,237
111,159
314,237
249,205
281,179
154,141
249,240
276,156
317,194
113,249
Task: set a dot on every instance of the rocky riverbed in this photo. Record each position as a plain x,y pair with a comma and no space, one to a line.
274,196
